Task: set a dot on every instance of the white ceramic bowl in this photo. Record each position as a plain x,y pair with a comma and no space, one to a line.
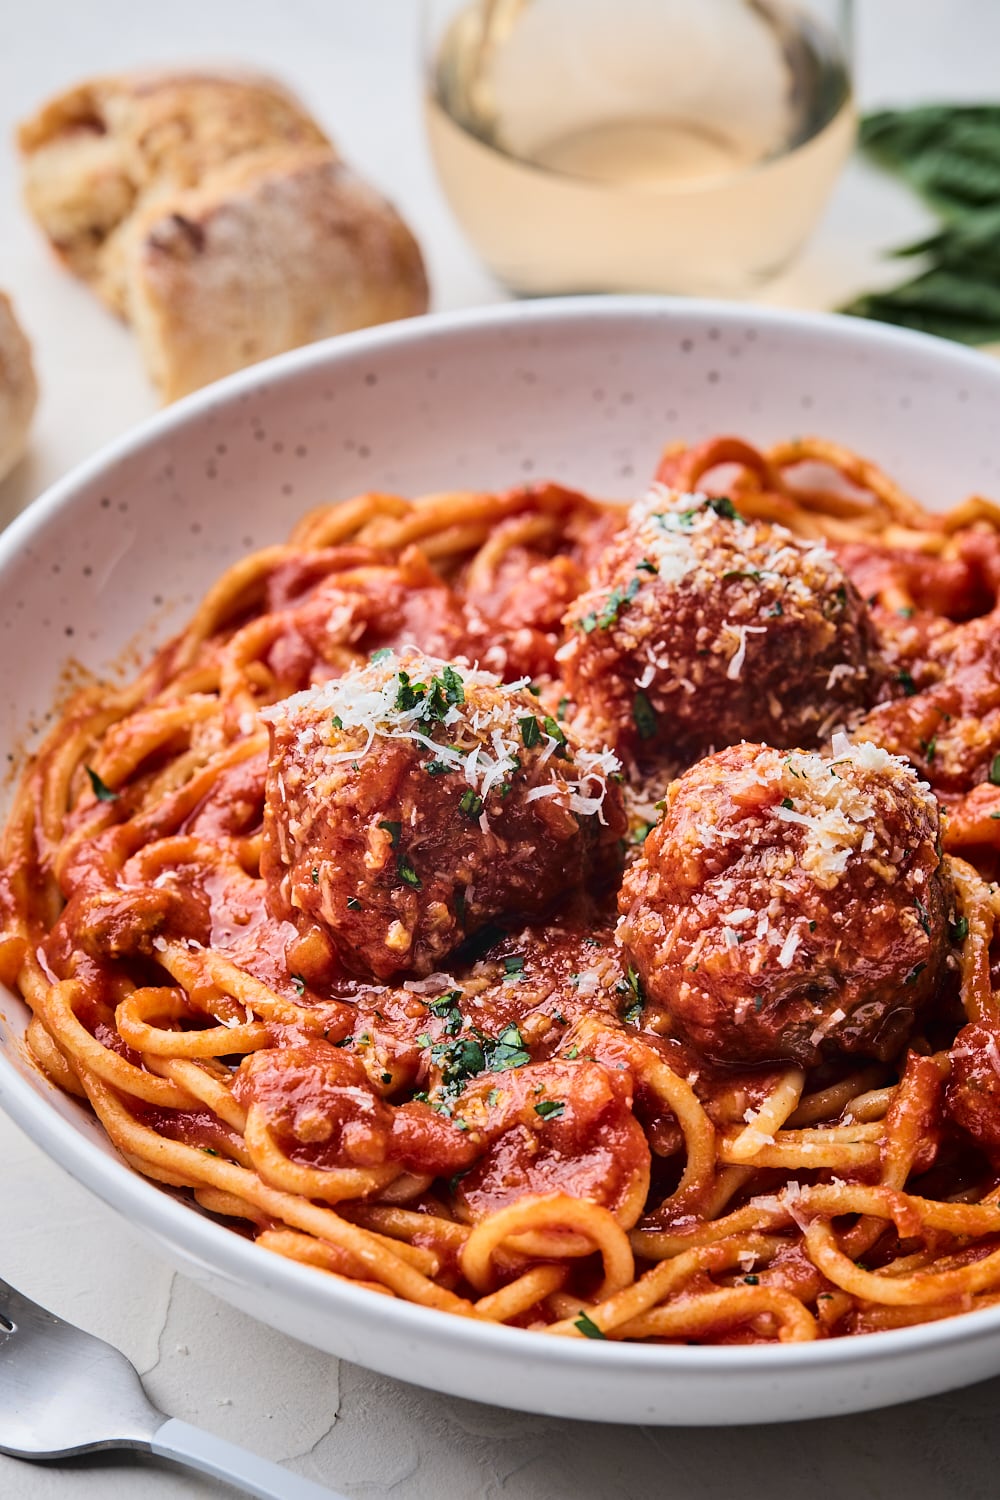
586,391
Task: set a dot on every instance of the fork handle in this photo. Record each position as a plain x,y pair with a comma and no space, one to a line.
213,1455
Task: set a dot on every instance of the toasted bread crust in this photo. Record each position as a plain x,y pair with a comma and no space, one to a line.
214,214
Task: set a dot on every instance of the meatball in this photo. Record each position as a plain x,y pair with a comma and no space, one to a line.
410,803
702,629
790,906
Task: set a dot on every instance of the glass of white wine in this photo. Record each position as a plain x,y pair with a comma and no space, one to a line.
682,146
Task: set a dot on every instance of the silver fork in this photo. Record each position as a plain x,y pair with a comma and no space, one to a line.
64,1392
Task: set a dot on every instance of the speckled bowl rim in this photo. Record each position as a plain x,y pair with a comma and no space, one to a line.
223,1252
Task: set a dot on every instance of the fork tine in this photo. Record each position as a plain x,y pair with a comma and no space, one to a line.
8,1296
16,1307
20,1311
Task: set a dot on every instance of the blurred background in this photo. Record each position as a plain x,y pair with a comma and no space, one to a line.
357,65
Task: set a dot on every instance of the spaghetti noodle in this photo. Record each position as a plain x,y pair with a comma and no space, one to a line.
324,915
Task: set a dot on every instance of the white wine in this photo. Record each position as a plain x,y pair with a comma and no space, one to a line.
646,145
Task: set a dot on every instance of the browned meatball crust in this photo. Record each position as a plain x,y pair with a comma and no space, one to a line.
409,803
790,906
702,629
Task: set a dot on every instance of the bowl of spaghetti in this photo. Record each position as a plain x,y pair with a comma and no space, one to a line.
509,898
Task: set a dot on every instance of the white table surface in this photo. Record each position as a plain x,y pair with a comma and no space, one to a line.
354,61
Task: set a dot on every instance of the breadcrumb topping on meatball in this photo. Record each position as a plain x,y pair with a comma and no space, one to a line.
790,905
702,628
410,802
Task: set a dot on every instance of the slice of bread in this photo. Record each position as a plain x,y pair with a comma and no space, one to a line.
213,214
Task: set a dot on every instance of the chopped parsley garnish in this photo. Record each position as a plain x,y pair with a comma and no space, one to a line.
632,985
408,694
645,716
751,1281
550,1109
434,701
723,506
438,699
588,1327
753,573
445,1007
787,803
929,747
407,872
393,830
994,770
101,792
454,687
553,730
208,1150
492,1097
315,874
444,1003
298,984
906,682
958,929
514,964
914,973
353,904
561,708
380,654
470,804
923,916
530,731
438,768
464,1057
572,1054
458,1060
616,602
507,1051
645,566
337,722
345,1041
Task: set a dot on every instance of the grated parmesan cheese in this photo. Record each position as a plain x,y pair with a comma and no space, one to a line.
735,666
360,702
788,948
